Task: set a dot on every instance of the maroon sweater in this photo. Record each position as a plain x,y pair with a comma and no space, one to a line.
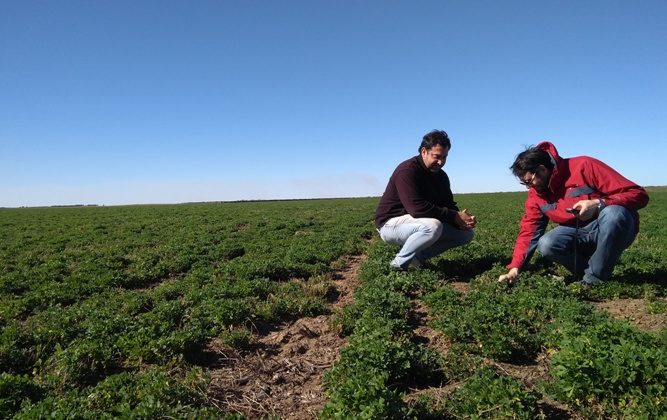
415,190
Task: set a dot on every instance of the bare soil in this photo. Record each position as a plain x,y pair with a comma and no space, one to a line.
636,312
281,375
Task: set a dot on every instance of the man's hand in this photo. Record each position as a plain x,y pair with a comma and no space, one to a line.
587,209
464,220
510,276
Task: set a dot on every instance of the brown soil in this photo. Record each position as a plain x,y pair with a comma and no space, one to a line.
282,375
635,311
459,286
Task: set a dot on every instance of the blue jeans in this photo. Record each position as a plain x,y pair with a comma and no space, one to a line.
421,239
599,244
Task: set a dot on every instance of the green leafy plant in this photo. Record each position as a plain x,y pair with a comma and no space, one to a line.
14,390
615,365
489,395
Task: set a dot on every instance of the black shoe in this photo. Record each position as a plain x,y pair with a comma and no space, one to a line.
585,284
398,269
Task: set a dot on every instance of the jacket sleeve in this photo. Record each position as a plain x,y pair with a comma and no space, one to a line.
415,203
533,226
614,187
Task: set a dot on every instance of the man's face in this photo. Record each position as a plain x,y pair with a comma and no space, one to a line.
538,179
435,157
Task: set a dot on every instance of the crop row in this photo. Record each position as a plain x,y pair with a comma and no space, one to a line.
97,304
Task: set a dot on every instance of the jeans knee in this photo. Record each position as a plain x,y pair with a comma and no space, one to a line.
616,215
545,246
618,224
467,236
431,227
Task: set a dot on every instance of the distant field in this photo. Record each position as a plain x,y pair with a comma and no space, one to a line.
108,311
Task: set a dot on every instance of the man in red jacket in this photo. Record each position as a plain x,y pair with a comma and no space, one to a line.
564,190
417,210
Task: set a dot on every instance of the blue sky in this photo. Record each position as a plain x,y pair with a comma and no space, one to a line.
127,102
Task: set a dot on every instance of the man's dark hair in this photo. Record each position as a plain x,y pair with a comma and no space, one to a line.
529,160
433,138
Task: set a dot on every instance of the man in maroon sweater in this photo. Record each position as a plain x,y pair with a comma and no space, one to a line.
417,210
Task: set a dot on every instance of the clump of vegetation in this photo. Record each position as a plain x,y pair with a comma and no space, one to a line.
490,395
506,324
14,390
154,393
613,365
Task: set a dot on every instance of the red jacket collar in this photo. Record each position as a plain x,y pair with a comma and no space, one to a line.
557,172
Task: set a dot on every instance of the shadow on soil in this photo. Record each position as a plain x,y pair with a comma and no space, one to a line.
465,270
631,276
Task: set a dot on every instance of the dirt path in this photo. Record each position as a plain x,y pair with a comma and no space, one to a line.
282,375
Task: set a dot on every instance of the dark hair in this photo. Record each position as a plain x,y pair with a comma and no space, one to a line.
433,138
529,160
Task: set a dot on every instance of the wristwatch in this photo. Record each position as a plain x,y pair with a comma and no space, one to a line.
601,205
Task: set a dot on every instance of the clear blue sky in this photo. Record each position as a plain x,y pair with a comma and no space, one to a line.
120,102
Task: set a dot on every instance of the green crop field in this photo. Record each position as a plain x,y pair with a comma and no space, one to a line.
108,312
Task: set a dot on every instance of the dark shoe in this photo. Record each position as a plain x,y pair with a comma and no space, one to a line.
414,264
585,285
397,268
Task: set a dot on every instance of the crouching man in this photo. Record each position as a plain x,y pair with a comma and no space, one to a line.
417,210
594,206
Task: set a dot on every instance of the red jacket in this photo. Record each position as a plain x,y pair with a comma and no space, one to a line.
572,180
